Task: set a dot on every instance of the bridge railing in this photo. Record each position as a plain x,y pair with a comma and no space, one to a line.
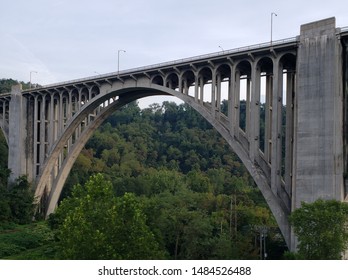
179,61
210,55
344,29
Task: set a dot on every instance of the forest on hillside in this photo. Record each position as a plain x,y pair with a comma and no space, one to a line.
196,199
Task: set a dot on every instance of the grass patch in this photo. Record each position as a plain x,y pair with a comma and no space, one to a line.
29,242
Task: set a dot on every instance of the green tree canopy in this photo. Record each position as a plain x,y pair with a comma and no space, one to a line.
16,202
321,229
97,225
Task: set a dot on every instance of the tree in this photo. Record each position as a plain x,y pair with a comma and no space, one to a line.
16,202
321,229
21,198
6,84
94,224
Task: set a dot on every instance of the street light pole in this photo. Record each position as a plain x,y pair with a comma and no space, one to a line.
272,14
30,78
118,60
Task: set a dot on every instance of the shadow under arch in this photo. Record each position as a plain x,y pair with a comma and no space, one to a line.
127,95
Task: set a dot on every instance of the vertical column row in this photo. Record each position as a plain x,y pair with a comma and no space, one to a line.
289,130
261,115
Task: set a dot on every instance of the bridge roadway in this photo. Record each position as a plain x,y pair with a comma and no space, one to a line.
301,78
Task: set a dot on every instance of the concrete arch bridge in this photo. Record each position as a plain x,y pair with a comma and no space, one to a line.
295,87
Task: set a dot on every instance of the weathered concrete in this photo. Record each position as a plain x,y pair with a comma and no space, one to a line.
318,154
17,134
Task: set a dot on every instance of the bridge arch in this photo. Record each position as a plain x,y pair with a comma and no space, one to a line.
205,79
242,77
223,83
158,80
188,79
172,80
224,70
52,185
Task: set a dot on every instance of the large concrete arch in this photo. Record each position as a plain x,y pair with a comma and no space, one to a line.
127,94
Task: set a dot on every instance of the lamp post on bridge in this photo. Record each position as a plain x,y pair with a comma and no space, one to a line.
118,60
30,78
272,14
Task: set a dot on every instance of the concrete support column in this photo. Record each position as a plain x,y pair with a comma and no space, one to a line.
42,129
35,136
268,118
70,105
247,108
213,94
289,132
318,151
51,123
186,87
237,103
345,110
79,100
196,88
60,116
232,101
180,84
201,89
218,92
276,158
17,134
69,115
255,112
78,109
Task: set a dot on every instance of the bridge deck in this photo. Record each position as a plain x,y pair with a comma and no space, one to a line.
196,60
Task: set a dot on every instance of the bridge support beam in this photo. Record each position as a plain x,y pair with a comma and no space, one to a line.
318,143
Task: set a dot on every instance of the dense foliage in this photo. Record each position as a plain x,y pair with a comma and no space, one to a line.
199,200
321,229
16,200
94,224
6,84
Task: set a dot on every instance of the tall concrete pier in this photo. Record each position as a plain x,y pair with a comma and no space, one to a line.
304,77
318,157
318,138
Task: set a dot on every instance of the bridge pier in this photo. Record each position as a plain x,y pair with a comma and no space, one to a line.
17,143
318,138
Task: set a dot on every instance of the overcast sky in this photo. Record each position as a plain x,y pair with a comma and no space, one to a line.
70,39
